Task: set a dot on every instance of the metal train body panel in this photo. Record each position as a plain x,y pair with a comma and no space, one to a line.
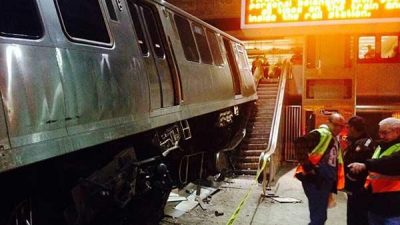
61,95
32,95
203,83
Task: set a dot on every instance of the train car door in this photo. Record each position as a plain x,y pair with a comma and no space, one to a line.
148,29
233,66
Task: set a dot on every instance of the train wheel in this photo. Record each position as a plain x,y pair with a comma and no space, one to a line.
32,211
153,213
22,214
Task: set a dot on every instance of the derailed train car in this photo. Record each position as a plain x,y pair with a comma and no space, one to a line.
103,102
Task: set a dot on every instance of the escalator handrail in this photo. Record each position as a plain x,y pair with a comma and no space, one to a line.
277,116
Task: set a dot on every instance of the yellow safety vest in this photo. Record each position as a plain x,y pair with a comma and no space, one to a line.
383,183
317,153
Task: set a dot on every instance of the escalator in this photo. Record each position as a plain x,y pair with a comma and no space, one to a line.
258,128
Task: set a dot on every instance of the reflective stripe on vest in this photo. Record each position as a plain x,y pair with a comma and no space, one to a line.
316,155
322,146
383,183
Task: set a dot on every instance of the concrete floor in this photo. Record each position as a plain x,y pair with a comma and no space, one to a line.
258,210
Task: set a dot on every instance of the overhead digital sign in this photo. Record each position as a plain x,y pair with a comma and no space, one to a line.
273,13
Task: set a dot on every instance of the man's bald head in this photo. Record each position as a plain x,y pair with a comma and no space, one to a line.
336,123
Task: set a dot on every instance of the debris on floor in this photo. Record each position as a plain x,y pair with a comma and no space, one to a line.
175,197
257,210
286,200
219,213
184,200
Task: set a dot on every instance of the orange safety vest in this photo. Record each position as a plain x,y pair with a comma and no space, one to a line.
383,183
317,153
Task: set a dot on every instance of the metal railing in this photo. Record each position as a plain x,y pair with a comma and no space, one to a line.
275,144
292,130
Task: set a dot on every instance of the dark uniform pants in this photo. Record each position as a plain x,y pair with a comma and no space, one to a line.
357,208
317,195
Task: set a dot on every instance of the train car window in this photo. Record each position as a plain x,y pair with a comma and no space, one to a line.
366,47
138,28
83,20
153,31
215,50
187,39
389,47
232,62
201,40
111,10
242,58
20,18
245,57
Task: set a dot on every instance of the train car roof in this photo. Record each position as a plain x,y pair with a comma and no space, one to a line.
190,16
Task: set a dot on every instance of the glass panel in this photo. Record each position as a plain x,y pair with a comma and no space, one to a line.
187,39
232,65
111,10
201,40
84,20
329,89
243,63
138,28
153,31
366,47
215,50
20,18
389,46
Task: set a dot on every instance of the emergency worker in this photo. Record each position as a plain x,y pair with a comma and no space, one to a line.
266,68
257,69
256,63
384,175
360,148
321,166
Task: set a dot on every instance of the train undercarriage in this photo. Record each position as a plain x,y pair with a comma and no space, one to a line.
122,182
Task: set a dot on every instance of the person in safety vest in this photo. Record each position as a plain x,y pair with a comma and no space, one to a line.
383,179
321,168
360,147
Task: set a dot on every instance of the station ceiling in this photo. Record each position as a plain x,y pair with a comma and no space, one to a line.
226,15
